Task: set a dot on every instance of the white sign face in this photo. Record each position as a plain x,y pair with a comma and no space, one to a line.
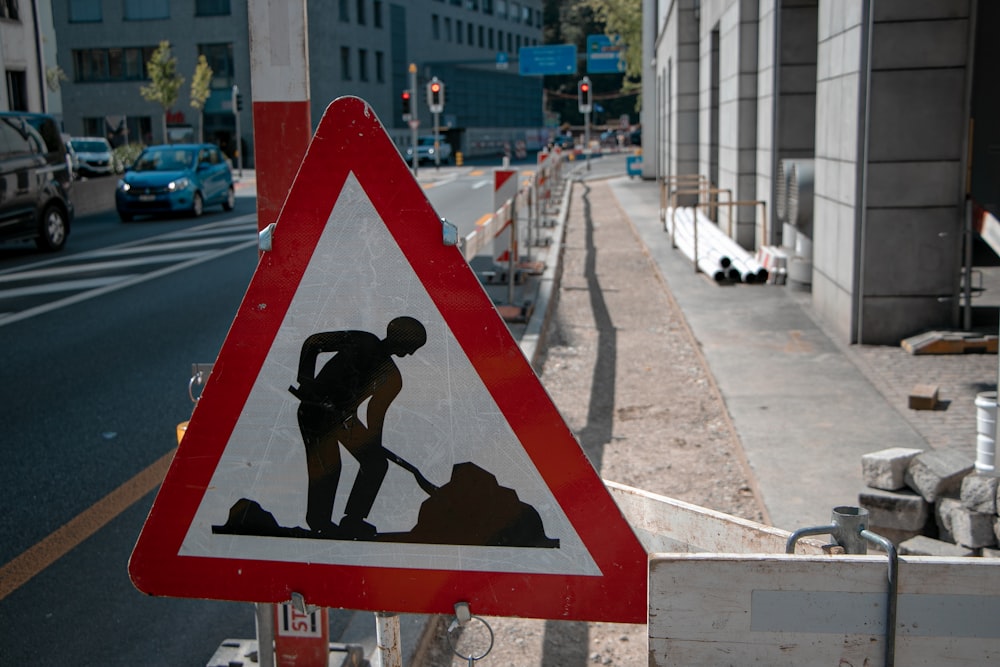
358,280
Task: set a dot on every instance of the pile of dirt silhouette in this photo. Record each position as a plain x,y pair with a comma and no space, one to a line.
247,517
473,509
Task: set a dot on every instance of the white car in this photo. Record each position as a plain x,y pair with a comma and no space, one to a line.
425,150
93,156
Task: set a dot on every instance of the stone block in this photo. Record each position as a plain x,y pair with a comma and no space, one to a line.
928,546
900,510
923,397
894,535
886,469
979,493
973,529
937,472
989,552
943,507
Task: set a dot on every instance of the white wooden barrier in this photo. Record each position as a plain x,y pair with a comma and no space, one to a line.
714,609
727,594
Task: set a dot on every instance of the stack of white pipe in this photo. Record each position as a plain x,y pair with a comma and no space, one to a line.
718,255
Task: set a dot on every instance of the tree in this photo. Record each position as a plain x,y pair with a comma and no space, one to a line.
164,81
624,19
200,90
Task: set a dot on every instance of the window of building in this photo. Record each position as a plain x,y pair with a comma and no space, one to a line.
472,5
211,8
435,27
377,13
499,40
363,64
490,35
85,11
517,43
510,43
17,90
345,63
487,6
361,12
471,35
343,12
515,12
146,10
459,32
502,9
482,42
447,28
380,66
8,10
220,59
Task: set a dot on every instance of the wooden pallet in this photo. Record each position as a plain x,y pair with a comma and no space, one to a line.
950,342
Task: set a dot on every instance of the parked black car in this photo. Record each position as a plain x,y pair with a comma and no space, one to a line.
35,180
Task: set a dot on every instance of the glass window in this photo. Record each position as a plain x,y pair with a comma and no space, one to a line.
380,66
482,42
502,9
377,13
17,90
459,32
447,28
472,4
84,11
487,6
472,35
90,65
345,63
211,8
220,59
344,15
435,26
361,12
363,64
8,10
146,10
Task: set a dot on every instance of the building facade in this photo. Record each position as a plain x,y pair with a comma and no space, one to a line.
22,59
356,47
857,113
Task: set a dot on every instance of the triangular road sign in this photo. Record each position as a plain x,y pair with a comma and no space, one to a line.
371,436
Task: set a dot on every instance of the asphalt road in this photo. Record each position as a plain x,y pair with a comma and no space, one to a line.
98,342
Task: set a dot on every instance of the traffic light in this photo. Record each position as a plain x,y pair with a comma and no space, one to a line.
585,95
406,104
239,101
435,95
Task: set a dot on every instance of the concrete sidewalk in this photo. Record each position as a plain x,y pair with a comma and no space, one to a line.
807,406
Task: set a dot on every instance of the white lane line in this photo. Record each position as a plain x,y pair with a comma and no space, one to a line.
152,275
480,184
63,286
99,266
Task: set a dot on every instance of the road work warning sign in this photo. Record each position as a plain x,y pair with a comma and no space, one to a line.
371,436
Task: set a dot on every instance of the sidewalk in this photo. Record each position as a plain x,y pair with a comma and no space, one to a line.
807,406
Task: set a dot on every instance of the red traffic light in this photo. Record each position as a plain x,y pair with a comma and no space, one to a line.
435,87
584,87
406,95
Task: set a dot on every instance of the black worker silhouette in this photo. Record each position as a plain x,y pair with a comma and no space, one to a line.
362,369
471,509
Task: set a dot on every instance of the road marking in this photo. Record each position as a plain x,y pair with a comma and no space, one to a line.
76,269
57,544
63,286
480,184
152,275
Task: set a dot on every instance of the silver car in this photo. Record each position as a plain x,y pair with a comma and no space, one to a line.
93,155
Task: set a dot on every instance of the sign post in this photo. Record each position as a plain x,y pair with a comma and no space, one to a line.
415,121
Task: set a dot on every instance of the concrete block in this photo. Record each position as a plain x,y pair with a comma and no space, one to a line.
979,493
989,552
901,510
923,397
943,507
973,529
886,469
928,546
937,472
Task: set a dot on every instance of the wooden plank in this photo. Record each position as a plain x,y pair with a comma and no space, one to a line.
711,609
665,524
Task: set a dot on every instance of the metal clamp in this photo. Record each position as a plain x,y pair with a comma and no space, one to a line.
850,530
199,376
463,619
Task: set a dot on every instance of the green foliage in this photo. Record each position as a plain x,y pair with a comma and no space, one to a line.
624,19
164,81
201,83
126,155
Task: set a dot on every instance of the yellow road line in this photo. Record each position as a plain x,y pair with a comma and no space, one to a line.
19,571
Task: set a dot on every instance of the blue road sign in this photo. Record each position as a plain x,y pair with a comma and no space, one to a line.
605,55
539,60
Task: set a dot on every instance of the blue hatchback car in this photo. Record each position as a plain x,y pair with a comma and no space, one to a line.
175,178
